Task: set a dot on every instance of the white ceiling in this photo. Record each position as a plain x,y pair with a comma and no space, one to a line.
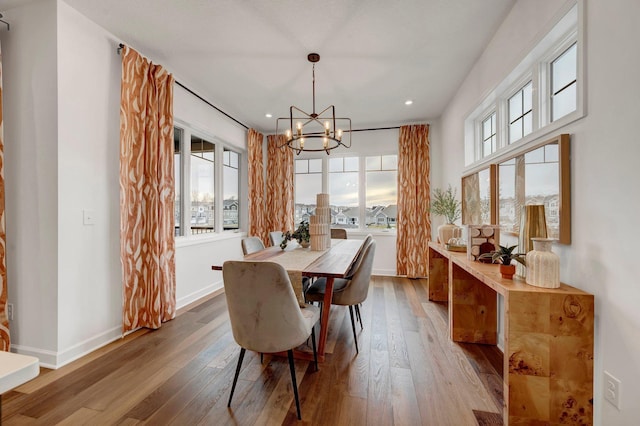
249,57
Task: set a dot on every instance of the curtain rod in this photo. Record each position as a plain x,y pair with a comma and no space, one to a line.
121,46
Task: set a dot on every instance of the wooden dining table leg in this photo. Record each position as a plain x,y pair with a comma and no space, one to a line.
324,321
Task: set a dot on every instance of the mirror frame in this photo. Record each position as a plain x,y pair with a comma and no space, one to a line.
564,185
493,195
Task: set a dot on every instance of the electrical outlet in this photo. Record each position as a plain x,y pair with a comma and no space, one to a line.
612,389
10,311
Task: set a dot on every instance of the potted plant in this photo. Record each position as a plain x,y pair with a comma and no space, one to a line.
444,203
301,234
505,255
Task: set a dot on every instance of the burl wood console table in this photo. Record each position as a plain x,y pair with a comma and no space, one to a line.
548,336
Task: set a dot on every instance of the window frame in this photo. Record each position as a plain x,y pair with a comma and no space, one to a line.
536,66
361,181
185,184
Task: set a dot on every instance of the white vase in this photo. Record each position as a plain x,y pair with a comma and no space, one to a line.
448,231
543,265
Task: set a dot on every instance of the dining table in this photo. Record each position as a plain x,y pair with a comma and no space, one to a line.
334,262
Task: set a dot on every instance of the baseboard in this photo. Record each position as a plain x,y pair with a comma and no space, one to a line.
384,272
55,360
197,295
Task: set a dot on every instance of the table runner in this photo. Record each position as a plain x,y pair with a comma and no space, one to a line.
294,261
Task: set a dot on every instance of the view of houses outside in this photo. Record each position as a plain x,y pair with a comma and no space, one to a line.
380,191
538,176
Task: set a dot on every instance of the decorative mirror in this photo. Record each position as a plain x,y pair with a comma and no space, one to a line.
479,196
540,175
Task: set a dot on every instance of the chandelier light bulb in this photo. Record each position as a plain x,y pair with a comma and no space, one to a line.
339,135
288,134
302,143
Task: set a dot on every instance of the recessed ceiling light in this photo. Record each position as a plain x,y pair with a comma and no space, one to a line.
268,115
408,102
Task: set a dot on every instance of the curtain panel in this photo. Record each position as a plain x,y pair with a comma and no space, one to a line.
257,219
4,320
280,209
147,193
414,223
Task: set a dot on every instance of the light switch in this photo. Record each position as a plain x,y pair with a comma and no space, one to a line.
88,217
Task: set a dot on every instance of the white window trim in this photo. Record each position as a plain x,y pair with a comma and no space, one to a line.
565,30
361,230
219,233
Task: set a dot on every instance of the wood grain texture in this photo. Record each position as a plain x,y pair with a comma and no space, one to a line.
548,345
438,275
407,372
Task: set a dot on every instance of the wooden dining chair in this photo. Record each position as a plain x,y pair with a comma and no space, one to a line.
348,291
251,245
265,314
338,233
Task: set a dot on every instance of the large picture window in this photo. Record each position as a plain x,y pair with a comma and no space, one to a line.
343,191
308,183
381,191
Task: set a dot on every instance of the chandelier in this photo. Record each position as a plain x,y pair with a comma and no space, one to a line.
314,132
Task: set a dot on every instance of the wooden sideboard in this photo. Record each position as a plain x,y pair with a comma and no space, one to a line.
548,336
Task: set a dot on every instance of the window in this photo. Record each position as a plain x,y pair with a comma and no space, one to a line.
177,176
197,176
521,113
202,186
231,180
564,83
343,191
541,94
381,191
308,183
489,135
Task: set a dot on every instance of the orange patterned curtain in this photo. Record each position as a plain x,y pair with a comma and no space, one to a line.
257,222
4,321
280,210
414,223
146,193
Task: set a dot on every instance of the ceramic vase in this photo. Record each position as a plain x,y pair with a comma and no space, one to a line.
448,231
543,265
533,224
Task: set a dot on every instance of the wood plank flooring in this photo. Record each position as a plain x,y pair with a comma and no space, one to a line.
408,372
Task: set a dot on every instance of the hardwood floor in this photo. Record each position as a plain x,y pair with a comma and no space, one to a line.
408,372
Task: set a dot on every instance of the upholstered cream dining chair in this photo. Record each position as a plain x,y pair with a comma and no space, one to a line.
251,245
348,291
265,314
276,237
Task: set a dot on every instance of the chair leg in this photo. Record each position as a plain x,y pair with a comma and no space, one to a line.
261,358
293,381
353,327
358,316
313,340
235,378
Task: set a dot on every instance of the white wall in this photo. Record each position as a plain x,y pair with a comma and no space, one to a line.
604,175
30,134
61,119
89,278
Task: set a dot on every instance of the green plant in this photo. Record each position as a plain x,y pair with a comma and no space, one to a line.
444,203
300,234
505,255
